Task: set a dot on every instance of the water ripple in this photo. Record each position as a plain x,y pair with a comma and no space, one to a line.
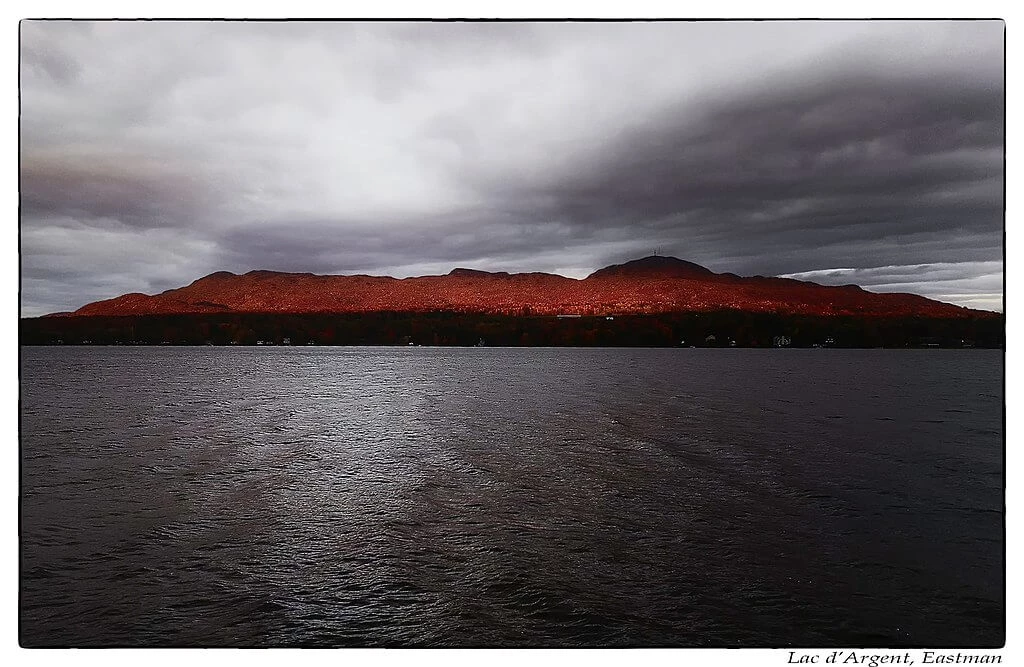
498,497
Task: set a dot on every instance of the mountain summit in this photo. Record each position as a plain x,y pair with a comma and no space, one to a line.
654,266
652,284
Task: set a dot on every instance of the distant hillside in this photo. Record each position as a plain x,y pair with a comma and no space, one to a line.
645,286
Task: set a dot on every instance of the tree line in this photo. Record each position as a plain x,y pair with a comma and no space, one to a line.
706,329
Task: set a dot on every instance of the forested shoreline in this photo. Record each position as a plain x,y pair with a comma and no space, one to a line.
705,329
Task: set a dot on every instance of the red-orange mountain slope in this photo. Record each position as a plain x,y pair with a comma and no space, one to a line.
650,285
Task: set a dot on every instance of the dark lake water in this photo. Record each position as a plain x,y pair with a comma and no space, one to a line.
511,497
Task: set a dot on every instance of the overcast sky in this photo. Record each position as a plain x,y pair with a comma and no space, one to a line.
154,153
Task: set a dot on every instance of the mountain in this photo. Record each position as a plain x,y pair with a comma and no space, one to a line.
655,266
649,285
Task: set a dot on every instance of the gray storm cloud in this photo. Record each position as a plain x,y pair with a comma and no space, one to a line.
156,152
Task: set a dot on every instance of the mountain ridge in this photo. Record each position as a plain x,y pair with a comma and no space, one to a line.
655,266
653,284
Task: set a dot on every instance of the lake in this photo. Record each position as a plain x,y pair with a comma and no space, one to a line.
383,496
